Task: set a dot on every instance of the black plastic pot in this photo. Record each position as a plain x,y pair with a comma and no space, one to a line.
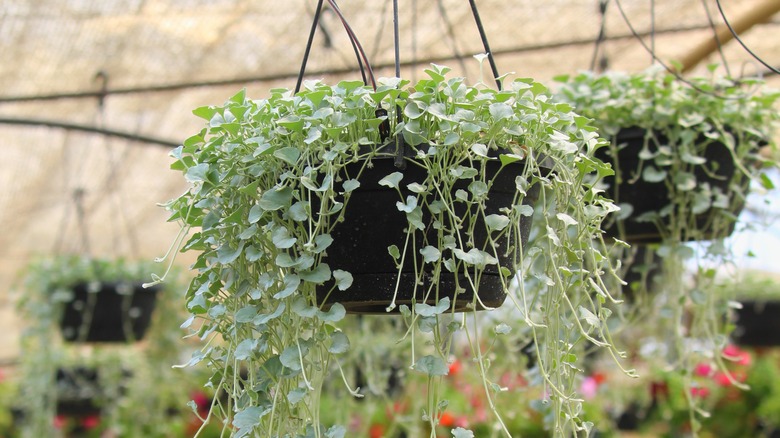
630,419
78,391
372,223
115,313
719,172
758,324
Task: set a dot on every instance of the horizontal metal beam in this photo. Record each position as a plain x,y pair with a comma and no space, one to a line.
97,94
89,129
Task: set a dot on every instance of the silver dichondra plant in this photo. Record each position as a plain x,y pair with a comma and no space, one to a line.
274,180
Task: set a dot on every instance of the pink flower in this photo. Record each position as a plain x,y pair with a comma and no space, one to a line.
700,391
589,388
703,370
60,421
733,353
722,379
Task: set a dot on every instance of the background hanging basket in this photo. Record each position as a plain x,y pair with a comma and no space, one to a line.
81,390
372,223
78,391
650,197
114,312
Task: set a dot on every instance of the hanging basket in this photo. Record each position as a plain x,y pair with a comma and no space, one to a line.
78,391
758,324
114,312
372,224
647,198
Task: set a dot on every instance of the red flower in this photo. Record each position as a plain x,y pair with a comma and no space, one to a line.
447,419
702,392
599,378
397,408
90,421
659,389
202,401
376,431
455,367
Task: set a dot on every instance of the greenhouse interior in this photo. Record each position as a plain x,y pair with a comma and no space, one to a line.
579,236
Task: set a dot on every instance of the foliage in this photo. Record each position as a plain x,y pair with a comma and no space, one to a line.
57,274
683,319
731,411
681,121
270,180
136,389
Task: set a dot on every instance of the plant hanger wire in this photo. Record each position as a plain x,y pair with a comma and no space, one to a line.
363,62
367,72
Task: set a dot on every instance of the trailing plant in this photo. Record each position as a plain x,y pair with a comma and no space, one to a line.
130,386
663,408
699,148
272,180
681,124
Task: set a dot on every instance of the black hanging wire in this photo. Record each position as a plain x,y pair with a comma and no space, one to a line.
741,43
485,44
315,24
308,45
400,148
602,34
63,227
396,40
652,28
716,37
78,193
327,41
111,187
359,54
81,220
660,62
357,47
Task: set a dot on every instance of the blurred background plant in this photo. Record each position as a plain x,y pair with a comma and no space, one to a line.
125,389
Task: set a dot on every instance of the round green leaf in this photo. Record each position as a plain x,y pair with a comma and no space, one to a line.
432,366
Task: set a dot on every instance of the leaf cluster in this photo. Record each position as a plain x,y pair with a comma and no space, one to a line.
271,179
